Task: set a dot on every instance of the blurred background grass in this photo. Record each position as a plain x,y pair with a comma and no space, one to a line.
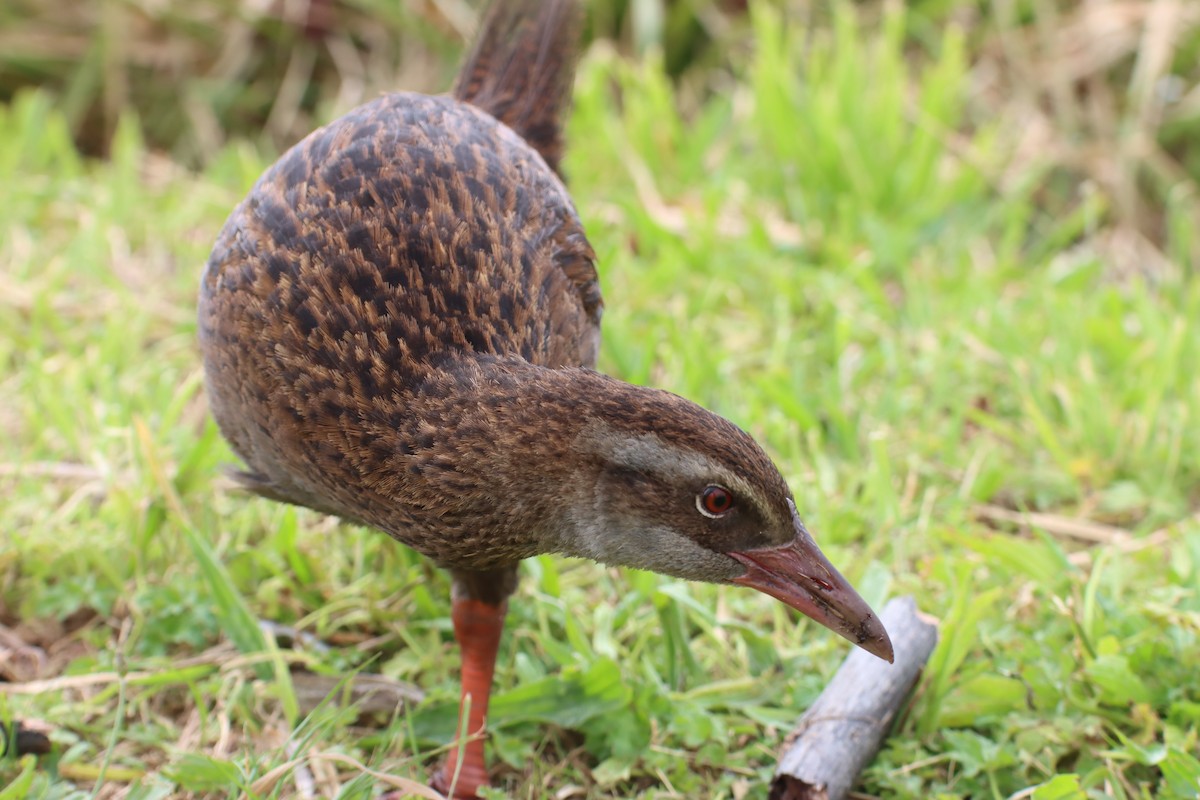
200,73
1102,95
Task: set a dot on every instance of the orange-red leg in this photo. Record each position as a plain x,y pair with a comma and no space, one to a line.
477,627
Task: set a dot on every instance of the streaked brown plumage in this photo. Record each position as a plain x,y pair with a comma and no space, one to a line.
398,327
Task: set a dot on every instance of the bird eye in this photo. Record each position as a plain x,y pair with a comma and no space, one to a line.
714,501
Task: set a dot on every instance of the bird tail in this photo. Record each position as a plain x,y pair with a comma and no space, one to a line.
522,69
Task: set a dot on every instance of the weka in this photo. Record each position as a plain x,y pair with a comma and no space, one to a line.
399,325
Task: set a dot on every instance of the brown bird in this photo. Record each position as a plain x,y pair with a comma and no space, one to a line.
399,326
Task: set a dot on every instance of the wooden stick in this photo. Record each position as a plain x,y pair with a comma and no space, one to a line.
846,726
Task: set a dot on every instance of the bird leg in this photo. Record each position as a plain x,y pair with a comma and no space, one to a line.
477,627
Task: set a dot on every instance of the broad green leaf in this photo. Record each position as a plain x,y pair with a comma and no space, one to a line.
197,772
1060,787
981,696
18,787
1118,684
568,699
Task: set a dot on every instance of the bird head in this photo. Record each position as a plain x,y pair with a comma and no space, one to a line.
678,490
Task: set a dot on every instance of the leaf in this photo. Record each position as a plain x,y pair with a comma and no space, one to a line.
18,789
584,694
568,699
1060,787
1123,496
622,736
692,724
977,754
611,771
169,677
981,696
203,773
158,790
1181,774
1118,684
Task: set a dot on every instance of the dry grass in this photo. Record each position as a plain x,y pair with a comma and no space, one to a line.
198,73
1100,91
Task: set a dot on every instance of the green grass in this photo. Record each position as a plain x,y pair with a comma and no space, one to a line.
836,254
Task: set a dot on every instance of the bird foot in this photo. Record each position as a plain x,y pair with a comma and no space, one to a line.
477,627
471,778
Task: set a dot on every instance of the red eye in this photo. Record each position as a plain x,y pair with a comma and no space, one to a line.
714,501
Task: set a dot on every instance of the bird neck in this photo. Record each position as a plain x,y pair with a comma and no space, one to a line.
536,458
483,456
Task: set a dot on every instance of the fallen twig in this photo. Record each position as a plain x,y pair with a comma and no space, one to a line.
1081,529
844,729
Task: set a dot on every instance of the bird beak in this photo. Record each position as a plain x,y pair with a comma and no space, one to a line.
799,575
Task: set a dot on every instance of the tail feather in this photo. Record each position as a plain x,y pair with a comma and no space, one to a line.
522,69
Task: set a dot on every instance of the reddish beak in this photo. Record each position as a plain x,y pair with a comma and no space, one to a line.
799,574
